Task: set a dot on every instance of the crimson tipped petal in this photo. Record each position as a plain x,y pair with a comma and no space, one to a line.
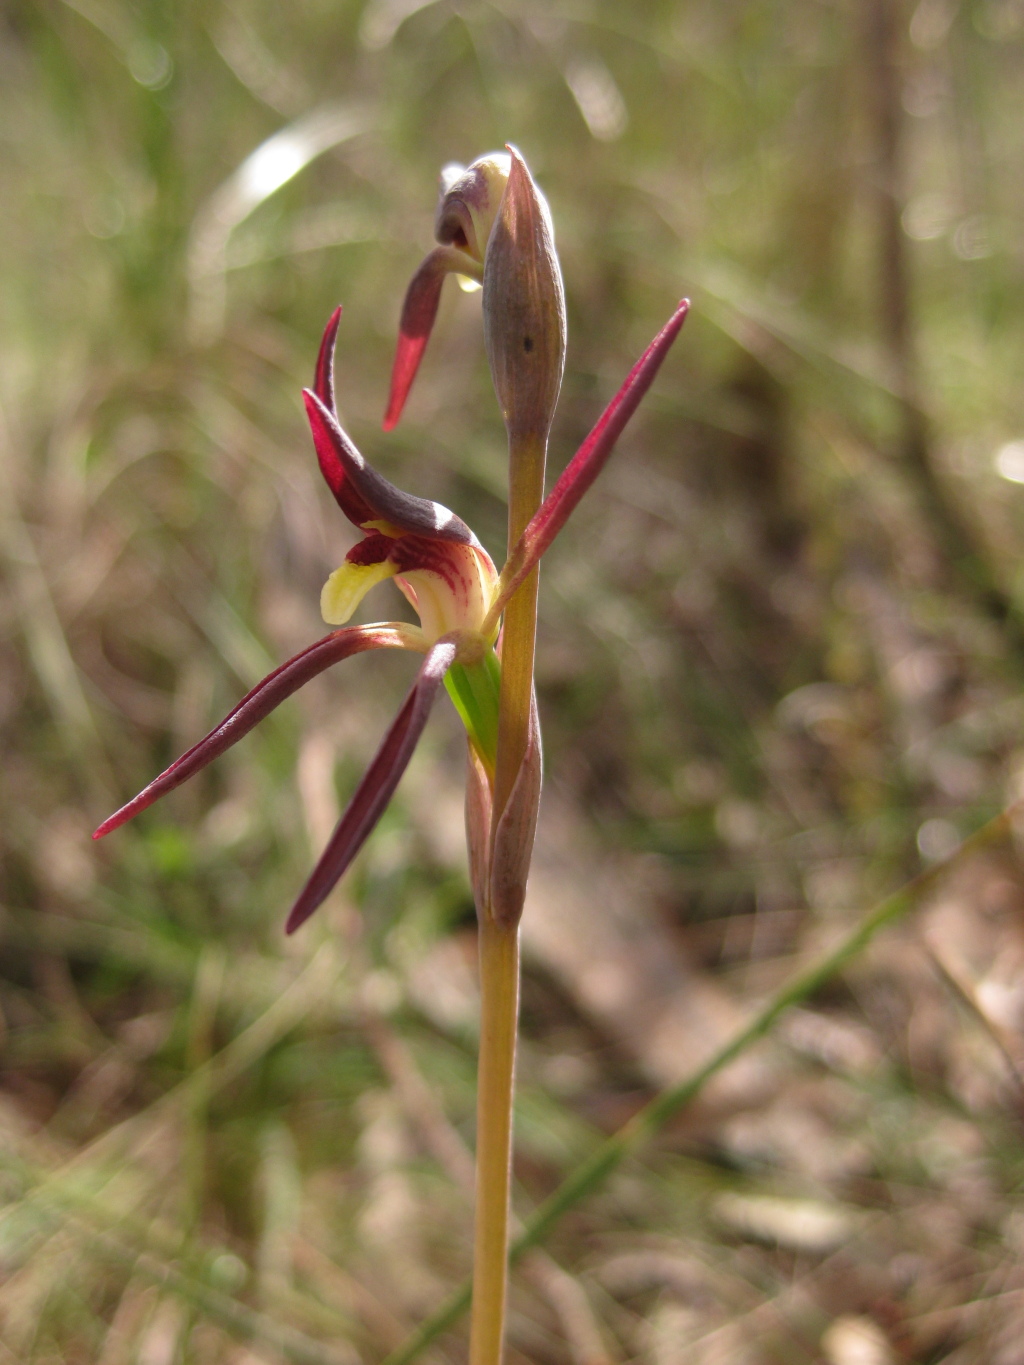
419,311
323,384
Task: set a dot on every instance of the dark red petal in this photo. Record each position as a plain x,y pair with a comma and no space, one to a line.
418,313
372,549
378,784
323,384
458,566
263,699
364,495
587,463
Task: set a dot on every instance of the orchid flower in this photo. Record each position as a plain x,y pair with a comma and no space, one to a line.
455,589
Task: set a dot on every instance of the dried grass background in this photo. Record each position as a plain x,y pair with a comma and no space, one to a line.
780,670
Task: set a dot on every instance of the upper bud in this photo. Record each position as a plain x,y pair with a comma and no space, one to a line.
524,307
469,203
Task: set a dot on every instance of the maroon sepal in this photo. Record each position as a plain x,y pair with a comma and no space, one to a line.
377,786
264,698
366,496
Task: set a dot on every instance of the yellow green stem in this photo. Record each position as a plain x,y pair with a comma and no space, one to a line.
499,1012
499,943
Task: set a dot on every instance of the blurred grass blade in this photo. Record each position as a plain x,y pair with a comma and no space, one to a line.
645,1124
51,657
274,162
314,986
131,1245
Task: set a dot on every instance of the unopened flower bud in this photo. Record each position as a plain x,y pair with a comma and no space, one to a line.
524,308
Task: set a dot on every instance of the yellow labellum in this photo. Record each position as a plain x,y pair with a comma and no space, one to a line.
347,587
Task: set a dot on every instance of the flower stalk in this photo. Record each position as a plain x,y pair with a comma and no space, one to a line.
493,227
499,1019
524,330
